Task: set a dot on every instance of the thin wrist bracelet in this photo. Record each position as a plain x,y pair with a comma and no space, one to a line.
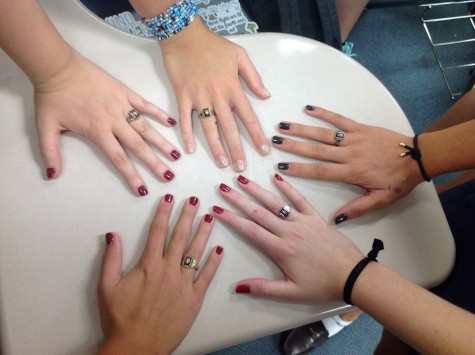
350,282
172,21
416,154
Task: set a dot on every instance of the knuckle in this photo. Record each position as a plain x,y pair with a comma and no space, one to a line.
144,127
120,159
139,147
318,170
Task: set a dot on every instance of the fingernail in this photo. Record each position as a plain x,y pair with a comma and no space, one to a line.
277,140
284,125
224,187
142,190
168,198
266,92
171,121
219,250
50,173
243,289
190,148
208,218
243,180
109,238
168,175
283,166
265,149
222,161
310,108
175,155
341,218
239,165
278,177
193,200
218,209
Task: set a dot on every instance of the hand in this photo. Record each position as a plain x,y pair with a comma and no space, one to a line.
204,70
85,99
315,258
368,157
151,309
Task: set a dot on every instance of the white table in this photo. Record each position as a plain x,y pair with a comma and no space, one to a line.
51,232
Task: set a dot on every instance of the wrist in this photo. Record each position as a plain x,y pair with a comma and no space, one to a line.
68,56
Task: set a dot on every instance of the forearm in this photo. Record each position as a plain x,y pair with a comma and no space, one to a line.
151,8
421,319
31,40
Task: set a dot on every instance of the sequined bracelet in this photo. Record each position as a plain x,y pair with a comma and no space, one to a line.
174,20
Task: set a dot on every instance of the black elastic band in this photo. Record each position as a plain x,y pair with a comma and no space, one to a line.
350,282
415,153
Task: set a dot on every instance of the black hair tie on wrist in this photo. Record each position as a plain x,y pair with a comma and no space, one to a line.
350,282
415,153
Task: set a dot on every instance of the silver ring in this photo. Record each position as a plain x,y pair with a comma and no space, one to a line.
206,113
338,137
284,211
132,115
189,263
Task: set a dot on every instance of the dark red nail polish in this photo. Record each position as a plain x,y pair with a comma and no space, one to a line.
171,121
243,289
219,250
168,198
193,200
168,175
175,155
278,177
242,180
208,218
50,173
218,209
224,187
109,238
142,190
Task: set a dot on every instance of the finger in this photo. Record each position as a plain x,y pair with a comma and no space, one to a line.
319,134
50,150
209,124
146,107
186,126
294,196
337,120
316,151
111,269
276,289
251,76
208,271
157,234
329,172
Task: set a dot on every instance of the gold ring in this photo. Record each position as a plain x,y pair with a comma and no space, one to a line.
189,263
132,115
206,113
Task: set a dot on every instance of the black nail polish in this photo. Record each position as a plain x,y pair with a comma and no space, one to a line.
341,218
310,108
277,140
283,166
284,125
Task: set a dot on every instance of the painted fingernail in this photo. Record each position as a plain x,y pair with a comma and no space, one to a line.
265,149
193,200
278,177
243,180
109,238
341,218
284,125
171,121
222,161
168,175
50,173
243,288
310,108
218,209
224,187
277,140
283,166
219,250
142,190
239,165
175,155
168,198
190,148
208,218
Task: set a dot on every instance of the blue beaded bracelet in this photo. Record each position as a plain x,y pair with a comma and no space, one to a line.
174,20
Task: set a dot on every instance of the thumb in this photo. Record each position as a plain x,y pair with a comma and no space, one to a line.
49,147
278,289
111,269
251,77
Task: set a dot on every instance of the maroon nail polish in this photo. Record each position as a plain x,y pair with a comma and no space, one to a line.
208,218
243,180
50,173
109,238
175,155
171,121
168,175
243,289
218,209
219,250
224,187
168,198
142,190
278,177
193,200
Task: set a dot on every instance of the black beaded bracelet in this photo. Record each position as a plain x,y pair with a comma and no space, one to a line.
416,154
350,282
